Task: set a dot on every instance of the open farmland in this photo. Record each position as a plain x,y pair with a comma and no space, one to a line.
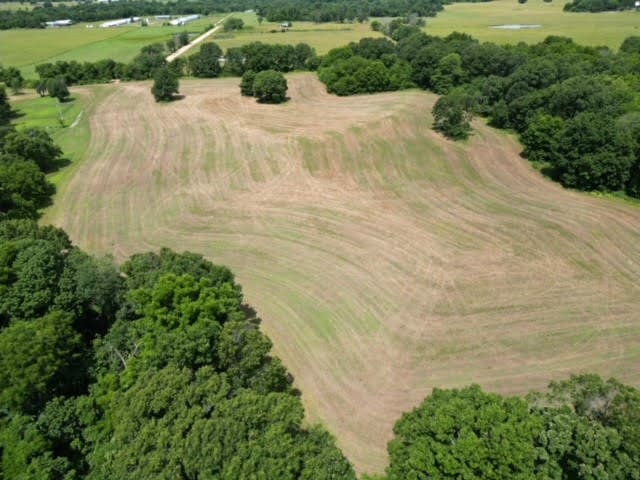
321,36
606,28
383,259
25,48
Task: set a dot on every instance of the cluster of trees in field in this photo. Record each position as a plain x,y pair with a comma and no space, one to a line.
598,5
157,369
576,108
274,11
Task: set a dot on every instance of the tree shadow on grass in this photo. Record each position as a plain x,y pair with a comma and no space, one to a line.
267,101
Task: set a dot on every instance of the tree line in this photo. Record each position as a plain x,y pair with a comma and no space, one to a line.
273,11
576,108
158,369
205,63
598,5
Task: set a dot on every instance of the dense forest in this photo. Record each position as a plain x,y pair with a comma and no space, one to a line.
273,11
157,368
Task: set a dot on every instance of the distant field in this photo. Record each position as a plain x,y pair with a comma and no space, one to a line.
608,28
322,36
383,259
15,6
25,48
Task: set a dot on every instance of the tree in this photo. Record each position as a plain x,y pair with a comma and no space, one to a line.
34,144
448,74
183,39
452,115
40,359
270,86
246,84
57,88
465,434
233,24
24,189
165,84
176,423
205,63
5,108
543,138
16,85
631,44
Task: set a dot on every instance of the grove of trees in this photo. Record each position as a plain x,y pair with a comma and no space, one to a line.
582,428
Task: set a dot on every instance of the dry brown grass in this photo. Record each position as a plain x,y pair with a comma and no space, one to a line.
383,259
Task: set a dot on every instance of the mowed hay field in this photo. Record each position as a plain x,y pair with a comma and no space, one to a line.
606,28
321,36
383,259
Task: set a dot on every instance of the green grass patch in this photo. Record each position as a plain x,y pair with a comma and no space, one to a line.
26,48
66,122
476,19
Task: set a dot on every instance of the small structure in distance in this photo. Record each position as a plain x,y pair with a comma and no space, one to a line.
60,23
120,22
184,20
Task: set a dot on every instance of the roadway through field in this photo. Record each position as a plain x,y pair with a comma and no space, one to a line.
197,40
383,259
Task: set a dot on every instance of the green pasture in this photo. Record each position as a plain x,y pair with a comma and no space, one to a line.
606,28
66,122
322,36
26,48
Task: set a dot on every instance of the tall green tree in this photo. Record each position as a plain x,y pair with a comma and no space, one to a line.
465,434
270,86
452,115
34,144
40,359
205,63
24,189
165,85
5,108
57,88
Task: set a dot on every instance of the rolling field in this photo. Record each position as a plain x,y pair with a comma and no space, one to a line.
25,48
322,36
383,259
607,28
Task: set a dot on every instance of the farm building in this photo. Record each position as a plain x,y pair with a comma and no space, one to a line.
120,22
60,23
184,20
